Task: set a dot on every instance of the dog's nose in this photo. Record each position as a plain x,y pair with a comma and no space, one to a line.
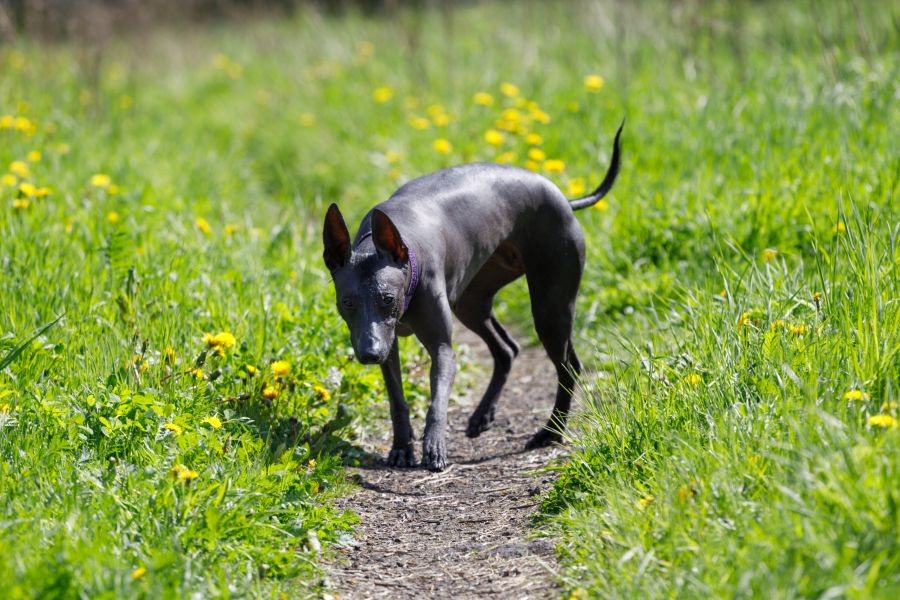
369,357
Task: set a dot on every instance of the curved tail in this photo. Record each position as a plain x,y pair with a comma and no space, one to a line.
608,181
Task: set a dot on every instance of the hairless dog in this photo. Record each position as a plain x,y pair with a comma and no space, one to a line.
443,245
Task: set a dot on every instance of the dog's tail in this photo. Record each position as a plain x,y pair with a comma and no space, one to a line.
608,181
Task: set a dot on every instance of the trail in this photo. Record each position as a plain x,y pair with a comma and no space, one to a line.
462,533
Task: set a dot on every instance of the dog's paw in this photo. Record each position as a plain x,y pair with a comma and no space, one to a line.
434,454
544,438
403,457
479,423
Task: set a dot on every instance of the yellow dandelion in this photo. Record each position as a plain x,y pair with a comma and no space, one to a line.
769,254
536,154
20,168
440,120
203,225
531,165
483,99
33,156
197,373
576,187
224,339
493,137
100,181
554,165
42,192
534,139
169,353
250,370
7,122
183,474
602,205
280,368
593,83
693,379
28,189
798,329
25,125
21,203
882,421
139,573
645,501
506,158
383,94
855,395
112,190
270,392
512,115
778,324
420,123
112,217
174,428
540,116
839,227
213,421
8,180
892,405
509,90
442,146
321,392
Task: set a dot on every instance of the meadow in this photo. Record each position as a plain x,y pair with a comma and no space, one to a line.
178,399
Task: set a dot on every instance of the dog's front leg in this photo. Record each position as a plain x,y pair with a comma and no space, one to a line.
403,453
443,369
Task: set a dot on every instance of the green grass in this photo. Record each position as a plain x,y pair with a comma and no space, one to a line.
717,457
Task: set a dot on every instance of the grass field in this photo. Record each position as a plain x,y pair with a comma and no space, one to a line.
177,396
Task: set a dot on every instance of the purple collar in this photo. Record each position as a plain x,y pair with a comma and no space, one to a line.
413,272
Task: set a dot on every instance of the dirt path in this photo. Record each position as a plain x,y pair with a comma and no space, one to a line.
462,533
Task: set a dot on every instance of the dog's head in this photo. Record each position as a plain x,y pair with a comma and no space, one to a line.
370,286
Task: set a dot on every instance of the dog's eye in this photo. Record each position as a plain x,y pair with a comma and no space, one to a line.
387,299
348,303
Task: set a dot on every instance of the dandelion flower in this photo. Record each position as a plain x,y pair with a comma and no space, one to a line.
506,158
602,205
769,254
224,339
593,83
270,392
100,181
28,189
174,428
280,368
856,395
383,94
139,573
213,421
534,139
882,421
536,154
839,227
509,90
8,180
229,229
798,329
21,203
34,156
645,501
442,146
420,123
493,137
250,370
322,392
203,225
483,99
197,373
42,192
892,405
693,379
112,217
7,122
554,166
531,165
540,116
182,473
576,187
20,168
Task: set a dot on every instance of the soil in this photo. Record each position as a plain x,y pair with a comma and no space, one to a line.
463,532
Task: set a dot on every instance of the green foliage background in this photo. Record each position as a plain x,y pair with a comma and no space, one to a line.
741,279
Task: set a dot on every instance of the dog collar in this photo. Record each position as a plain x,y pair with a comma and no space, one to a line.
413,272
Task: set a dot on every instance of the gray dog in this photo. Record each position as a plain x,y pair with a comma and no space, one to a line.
443,245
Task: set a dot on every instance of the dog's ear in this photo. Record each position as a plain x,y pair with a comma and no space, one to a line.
336,239
387,238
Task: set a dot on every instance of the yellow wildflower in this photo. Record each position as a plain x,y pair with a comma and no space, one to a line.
229,229
509,90
506,158
307,119
798,329
182,473
42,192
645,501
197,373
383,94
20,168
593,83
28,189
483,99
540,116
251,370
34,156
270,392
839,227
769,254
321,392
420,123
892,405
170,355
512,115
602,205
280,368
7,122
100,181
440,120
531,165
442,146
21,203
882,421
536,154
857,395
576,187
112,217
554,166
203,225
213,421
693,379
139,573
174,428
493,137
778,324
534,139
113,189
8,180
573,107
224,339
